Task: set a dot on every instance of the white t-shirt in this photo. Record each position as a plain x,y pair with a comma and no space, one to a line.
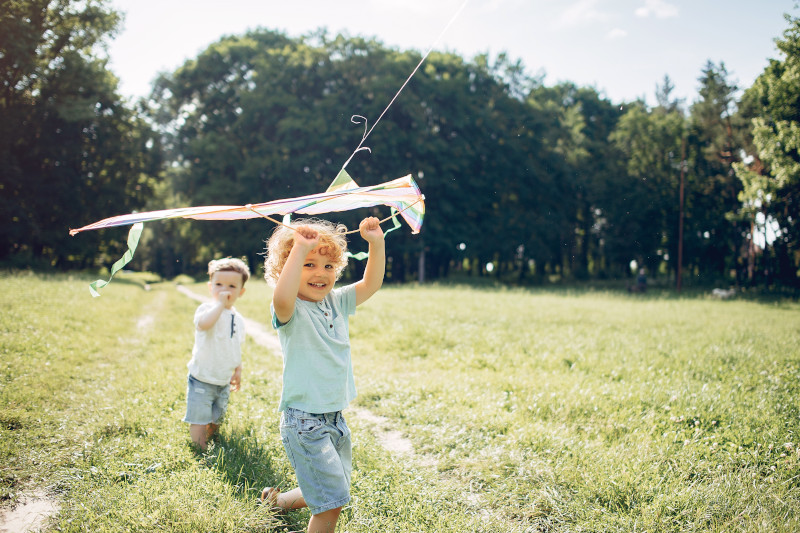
218,350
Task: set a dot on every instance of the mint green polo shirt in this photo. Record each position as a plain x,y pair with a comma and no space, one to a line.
317,370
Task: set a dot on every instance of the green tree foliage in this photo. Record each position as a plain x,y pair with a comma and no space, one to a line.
715,138
70,151
650,141
541,182
537,180
771,178
658,145
586,194
262,116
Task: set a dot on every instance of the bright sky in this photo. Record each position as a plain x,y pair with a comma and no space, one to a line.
623,48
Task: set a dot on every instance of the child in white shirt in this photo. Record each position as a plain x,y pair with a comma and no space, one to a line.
216,365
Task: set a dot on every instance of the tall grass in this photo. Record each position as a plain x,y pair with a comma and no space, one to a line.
528,411
596,412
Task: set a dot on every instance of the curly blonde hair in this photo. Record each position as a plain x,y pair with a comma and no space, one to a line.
229,264
332,243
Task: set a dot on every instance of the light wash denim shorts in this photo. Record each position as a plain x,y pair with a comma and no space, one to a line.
205,403
319,449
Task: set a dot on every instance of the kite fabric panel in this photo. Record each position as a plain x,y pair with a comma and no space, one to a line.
344,194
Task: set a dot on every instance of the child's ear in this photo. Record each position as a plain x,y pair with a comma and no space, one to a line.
209,286
242,291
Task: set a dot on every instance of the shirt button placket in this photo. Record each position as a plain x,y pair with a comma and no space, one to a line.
327,313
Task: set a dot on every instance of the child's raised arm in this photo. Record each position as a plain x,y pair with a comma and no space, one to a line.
210,317
371,231
288,285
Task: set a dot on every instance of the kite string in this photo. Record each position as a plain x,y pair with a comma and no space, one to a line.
358,119
293,228
421,61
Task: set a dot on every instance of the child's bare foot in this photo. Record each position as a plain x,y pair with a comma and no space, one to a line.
269,496
283,502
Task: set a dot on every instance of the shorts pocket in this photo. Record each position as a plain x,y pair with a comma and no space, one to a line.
307,425
341,425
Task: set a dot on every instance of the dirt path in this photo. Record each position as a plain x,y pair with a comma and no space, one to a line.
33,510
391,440
388,438
30,514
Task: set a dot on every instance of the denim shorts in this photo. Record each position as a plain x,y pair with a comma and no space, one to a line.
319,449
205,403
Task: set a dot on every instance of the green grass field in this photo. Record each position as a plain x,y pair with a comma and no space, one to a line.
528,411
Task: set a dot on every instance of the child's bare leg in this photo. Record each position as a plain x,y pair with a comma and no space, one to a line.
211,429
199,434
324,522
285,501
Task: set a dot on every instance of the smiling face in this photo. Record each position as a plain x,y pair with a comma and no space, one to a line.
317,277
226,286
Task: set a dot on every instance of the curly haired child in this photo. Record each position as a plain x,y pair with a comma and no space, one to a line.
303,262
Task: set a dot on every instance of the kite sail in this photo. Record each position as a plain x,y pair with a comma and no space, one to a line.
343,194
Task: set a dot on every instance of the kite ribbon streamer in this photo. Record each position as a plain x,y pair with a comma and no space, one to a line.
133,242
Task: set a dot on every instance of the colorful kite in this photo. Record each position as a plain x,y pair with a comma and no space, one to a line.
402,195
343,195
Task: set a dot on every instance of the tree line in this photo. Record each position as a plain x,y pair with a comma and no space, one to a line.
523,181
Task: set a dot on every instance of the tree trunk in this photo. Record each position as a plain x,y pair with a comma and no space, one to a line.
421,266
